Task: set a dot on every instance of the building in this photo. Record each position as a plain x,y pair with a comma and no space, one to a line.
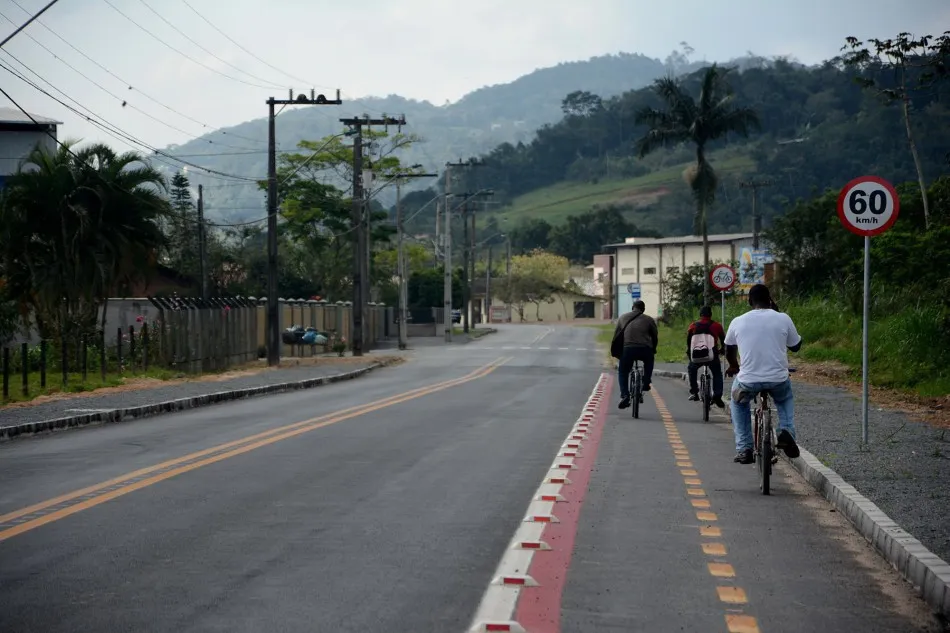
562,306
650,262
603,273
19,135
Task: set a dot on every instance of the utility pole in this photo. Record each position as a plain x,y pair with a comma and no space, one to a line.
447,254
360,220
488,287
467,276
755,185
273,309
402,266
202,245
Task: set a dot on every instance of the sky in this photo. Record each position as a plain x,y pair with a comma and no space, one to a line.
436,50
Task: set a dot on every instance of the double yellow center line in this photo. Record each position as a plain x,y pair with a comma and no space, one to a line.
39,514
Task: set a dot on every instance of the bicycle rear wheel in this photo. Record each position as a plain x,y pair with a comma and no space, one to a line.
636,391
765,452
704,394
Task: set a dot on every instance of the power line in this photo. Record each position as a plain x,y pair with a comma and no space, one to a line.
27,23
233,41
184,35
124,102
185,55
108,127
131,87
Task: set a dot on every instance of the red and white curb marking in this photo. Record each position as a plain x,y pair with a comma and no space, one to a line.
542,532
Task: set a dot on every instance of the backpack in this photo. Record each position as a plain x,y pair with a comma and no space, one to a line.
616,344
702,344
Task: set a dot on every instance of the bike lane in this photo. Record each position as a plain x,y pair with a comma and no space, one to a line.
674,536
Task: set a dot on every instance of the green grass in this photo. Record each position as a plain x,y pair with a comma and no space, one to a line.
75,382
556,202
907,341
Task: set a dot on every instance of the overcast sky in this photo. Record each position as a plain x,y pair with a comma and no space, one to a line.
424,49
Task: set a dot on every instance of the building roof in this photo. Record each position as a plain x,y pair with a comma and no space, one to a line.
686,239
12,115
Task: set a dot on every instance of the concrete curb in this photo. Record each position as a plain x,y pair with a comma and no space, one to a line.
678,375
929,573
169,406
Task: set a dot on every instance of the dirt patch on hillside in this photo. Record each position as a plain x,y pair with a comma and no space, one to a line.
635,198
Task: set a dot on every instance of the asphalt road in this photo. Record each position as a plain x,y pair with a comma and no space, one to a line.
386,504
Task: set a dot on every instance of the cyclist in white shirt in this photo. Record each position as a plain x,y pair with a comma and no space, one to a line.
761,338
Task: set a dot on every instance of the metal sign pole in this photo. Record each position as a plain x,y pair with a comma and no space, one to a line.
723,317
864,339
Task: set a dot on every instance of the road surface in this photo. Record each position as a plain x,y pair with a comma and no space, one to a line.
390,503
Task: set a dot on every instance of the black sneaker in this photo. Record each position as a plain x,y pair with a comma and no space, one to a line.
744,457
787,443
693,397
646,388
624,403
719,403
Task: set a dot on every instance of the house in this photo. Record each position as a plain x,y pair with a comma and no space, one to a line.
564,305
650,262
19,135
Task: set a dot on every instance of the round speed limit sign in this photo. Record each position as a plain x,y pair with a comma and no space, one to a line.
868,206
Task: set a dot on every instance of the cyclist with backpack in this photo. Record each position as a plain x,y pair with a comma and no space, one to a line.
705,341
635,339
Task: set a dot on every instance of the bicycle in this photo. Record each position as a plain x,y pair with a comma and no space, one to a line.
764,438
636,388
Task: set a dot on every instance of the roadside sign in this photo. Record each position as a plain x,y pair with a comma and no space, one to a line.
722,277
634,290
867,206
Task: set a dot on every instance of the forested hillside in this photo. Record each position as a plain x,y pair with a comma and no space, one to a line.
819,129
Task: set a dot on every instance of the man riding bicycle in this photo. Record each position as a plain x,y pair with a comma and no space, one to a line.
639,334
761,338
704,344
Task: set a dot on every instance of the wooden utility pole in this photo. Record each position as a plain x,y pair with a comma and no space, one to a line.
755,185
273,309
402,265
360,221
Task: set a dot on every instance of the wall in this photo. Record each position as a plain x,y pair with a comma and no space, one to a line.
562,309
15,146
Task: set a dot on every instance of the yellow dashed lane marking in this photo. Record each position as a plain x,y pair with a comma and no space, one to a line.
732,595
694,482
714,549
696,492
688,472
700,503
707,516
721,570
741,624
709,530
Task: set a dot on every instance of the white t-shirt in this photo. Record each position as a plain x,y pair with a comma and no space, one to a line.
763,338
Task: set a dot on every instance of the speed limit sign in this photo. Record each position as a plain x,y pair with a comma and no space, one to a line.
722,277
868,206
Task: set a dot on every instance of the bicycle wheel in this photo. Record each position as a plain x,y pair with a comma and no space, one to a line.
704,395
636,391
765,452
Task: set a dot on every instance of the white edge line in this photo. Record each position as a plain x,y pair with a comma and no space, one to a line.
499,602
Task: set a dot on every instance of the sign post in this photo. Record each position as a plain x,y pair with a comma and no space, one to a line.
723,278
867,206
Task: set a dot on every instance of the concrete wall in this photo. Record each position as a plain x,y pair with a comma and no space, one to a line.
15,146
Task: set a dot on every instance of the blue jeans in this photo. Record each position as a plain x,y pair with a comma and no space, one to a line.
625,366
741,401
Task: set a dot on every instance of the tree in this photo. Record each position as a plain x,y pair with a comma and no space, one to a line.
530,234
698,121
583,236
535,278
182,252
915,63
77,226
581,103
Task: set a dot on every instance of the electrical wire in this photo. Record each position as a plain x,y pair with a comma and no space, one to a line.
125,103
185,55
184,35
109,128
133,88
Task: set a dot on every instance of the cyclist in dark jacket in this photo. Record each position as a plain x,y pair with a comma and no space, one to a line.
640,339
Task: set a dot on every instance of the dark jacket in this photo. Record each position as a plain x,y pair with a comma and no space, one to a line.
641,333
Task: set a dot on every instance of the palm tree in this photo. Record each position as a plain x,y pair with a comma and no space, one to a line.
75,224
688,120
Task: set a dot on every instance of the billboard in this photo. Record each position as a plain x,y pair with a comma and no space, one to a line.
752,267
